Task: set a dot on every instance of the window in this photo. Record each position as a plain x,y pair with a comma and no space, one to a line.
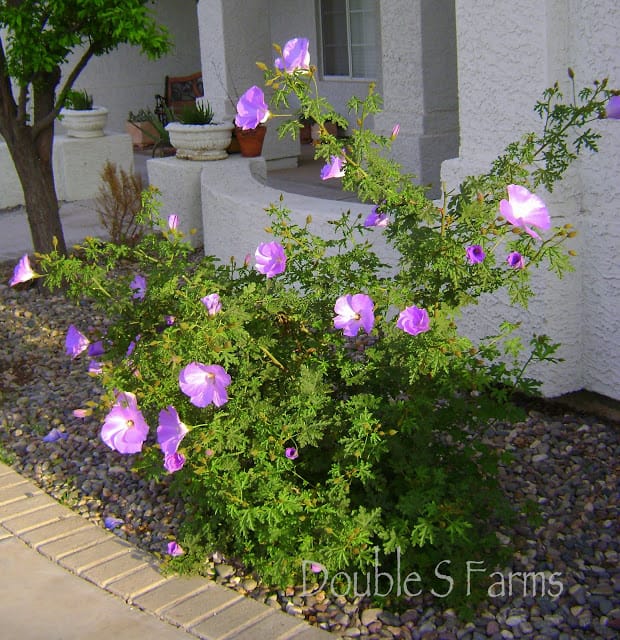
349,31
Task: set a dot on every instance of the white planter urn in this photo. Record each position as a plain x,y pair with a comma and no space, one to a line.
87,123
200,141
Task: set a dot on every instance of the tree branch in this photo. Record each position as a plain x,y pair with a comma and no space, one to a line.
44,122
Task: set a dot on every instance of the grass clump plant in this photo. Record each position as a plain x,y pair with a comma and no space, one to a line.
119,203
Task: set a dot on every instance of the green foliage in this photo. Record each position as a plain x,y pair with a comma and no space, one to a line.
142,115
79,100
61,26
388,426
197,114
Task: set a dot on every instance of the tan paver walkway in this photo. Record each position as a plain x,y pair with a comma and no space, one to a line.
64,578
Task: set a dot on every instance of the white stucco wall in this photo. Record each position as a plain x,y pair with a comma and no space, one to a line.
234,199
124,80
502,71
77,163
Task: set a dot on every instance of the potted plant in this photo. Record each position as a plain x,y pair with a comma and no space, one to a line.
196,136
80,117
140,127
251,140
252,113
330,126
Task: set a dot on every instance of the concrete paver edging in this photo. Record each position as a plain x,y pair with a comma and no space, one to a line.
196,605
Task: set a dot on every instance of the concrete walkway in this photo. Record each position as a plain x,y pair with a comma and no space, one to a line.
64,578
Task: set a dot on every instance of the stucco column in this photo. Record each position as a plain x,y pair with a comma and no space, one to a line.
234,35
402,79
508,53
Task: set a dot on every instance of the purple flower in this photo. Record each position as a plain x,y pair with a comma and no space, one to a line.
174,462
252,109
515,260
354,312
291,453
22,272
175,549
75,342
333,169
316,567
204,384
169,320
170,430
612,110
395,132
138,284
525,209
124,428
212,303
95,368
173,221
132,345
413,320
376,219
111,522
96,349
475,254
295,56
55,434
270,259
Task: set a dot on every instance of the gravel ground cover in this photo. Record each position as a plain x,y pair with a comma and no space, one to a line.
564,473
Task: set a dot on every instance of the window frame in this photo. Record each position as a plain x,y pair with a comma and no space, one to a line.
349,77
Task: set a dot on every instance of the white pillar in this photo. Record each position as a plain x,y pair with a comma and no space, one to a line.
234,35
508,53
402,79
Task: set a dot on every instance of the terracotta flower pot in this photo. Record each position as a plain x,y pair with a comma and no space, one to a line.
251,140
143,134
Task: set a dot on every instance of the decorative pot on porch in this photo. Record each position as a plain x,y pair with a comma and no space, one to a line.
315,129
84,124
81,118
251,140
197,137
200,141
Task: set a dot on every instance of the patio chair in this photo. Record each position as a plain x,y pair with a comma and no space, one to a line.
179,92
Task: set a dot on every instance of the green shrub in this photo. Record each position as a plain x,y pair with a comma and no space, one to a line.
318,445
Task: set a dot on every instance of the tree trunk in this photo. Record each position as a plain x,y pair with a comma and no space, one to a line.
33,163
